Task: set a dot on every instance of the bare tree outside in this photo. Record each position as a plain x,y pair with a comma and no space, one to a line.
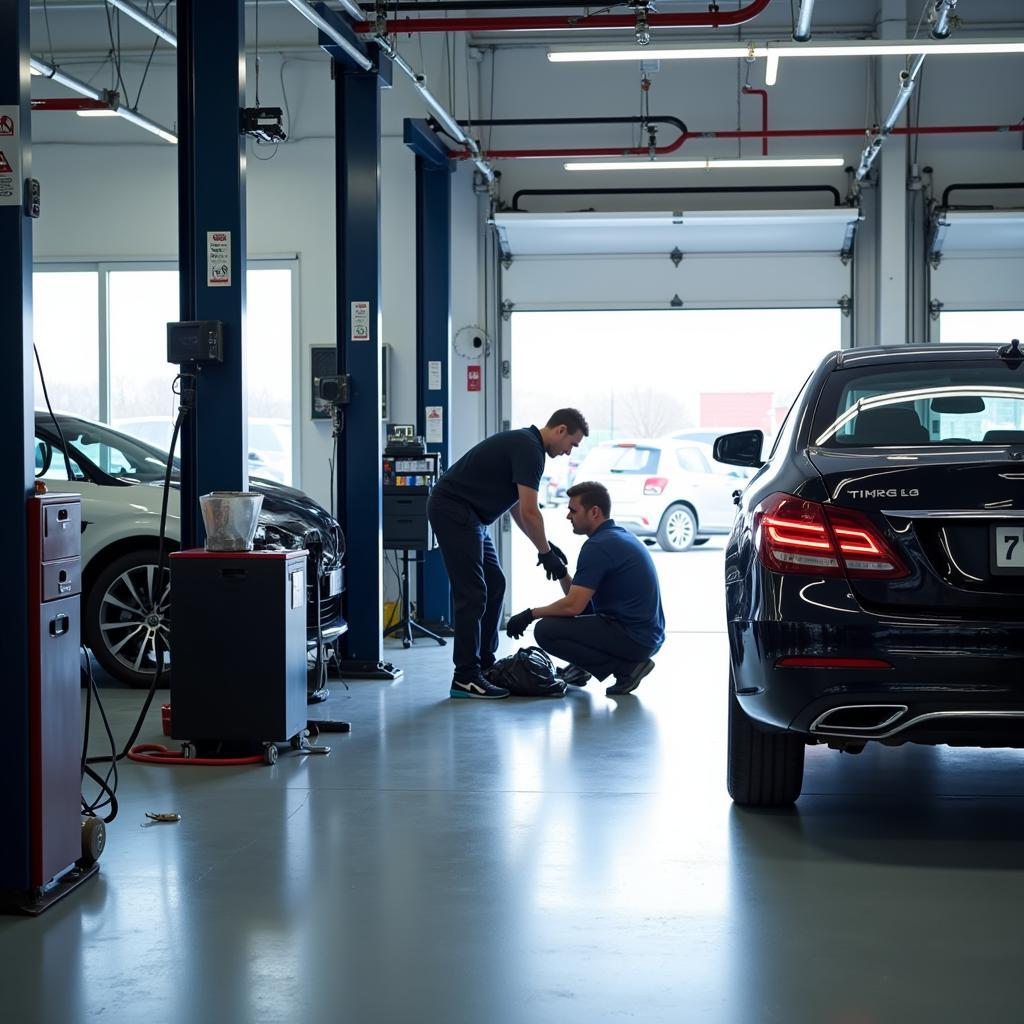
646,412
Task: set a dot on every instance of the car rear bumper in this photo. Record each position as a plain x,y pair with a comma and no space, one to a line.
955,682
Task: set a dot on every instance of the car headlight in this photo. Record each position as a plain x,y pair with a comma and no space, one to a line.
270,536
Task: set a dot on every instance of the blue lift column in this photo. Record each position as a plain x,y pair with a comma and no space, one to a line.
16,423
212,244
433,333
360,450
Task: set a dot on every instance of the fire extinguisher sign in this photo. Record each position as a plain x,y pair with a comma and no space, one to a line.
472,378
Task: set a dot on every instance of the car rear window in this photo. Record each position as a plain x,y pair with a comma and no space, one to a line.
619,459
961,403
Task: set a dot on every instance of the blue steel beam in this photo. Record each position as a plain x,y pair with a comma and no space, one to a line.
16,427
211,220
433,327
359,497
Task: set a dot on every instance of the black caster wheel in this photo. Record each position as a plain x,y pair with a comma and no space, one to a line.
188,750
406,643
270,754
296,741
94,839
312,732
442,643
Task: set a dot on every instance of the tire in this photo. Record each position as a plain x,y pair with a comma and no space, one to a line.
678,528
765,768
124,618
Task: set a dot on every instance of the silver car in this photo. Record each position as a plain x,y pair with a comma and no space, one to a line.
666,488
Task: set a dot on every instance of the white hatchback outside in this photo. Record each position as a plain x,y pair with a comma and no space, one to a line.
665,488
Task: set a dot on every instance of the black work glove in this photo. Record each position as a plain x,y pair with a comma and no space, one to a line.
518,624
554,562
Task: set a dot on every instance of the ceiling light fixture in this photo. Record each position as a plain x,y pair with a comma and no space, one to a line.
704,165
853,48
84,89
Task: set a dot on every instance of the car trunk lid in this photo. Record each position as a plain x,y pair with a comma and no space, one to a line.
955,517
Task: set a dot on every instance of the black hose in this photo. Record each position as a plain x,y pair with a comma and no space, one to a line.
511,122
978,187
667,190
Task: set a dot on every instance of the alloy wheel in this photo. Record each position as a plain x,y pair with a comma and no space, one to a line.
135,619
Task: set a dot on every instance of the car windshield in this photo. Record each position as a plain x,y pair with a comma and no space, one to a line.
960,403
619,458
113,453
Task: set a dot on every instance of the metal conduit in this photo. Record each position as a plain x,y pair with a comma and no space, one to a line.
908,80
802,31
714,18
139,15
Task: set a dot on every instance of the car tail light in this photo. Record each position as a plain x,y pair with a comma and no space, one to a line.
655,484
793,535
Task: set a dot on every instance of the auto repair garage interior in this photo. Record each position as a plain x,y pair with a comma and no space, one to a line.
341,209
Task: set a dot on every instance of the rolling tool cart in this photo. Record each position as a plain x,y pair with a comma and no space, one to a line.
239,641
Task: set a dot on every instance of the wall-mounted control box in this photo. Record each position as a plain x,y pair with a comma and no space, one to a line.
195,341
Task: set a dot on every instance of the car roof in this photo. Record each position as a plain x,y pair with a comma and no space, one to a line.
895,354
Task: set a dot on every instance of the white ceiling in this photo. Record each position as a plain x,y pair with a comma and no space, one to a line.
706,231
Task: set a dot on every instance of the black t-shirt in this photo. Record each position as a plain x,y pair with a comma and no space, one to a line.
486,477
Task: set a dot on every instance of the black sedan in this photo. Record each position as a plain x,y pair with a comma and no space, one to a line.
126,611
875,572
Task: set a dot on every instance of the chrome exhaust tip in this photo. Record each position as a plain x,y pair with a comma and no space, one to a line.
858,719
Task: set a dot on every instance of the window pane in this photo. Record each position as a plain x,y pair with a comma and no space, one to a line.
65,324
987,326
268,326
141,304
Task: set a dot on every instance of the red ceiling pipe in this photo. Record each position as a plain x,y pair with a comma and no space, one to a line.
71,103
800,133
706,19
763,93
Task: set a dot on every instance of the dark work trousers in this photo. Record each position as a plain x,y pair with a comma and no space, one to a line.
478,584
593,642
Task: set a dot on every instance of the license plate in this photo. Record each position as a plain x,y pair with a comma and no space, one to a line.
1008,549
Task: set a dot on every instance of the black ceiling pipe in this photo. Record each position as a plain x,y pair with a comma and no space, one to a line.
666,190
978,187
510,122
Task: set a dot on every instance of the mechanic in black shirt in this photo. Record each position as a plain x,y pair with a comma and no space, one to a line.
501,474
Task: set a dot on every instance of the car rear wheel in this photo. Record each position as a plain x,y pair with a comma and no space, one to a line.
766,768
128,618
677,529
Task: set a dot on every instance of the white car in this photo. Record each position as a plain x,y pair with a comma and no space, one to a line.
125,613
666,488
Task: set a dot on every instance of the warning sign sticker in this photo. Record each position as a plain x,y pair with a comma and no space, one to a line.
218,259
10,157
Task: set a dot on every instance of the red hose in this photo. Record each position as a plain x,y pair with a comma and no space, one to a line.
541,23
157,753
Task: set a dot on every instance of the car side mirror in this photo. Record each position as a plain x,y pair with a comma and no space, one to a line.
740,449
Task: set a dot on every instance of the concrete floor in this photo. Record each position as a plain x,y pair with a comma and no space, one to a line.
521,862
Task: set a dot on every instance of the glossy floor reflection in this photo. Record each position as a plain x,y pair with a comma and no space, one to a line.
539,861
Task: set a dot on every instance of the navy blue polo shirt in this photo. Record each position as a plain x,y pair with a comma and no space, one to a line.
486,478
620,571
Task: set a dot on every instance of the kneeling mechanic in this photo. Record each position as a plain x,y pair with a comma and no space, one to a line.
610,621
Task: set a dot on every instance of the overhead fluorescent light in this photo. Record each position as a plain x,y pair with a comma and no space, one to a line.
703,165
34,71
97,113
853,48
771,69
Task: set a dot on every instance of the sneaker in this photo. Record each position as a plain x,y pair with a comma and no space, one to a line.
479,689
574,675
628,683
